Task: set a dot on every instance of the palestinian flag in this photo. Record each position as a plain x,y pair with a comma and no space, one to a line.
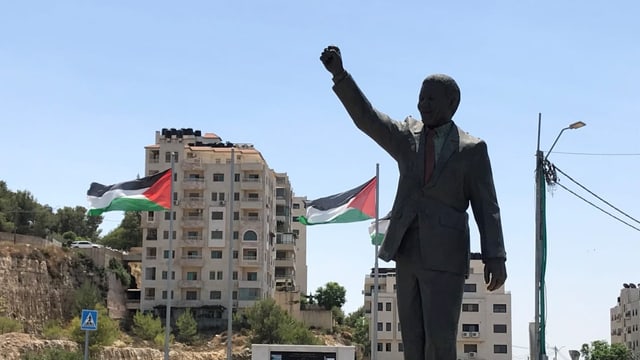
350,206
383,225
151,193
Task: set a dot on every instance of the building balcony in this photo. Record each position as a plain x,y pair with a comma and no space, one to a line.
249,283
249,260
153,160
282,200
251,184
251,203
194,240
197,284
194,184
249,166
195,261
251,218
193,203
192,164
285,262
186,303
243,304
192,221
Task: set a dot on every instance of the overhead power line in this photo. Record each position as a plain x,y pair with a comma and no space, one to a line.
596,154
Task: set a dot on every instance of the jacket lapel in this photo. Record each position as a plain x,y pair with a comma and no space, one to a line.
451,146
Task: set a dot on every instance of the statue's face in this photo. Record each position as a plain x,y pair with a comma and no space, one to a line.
434,104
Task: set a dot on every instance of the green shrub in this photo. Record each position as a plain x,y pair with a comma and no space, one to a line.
53,354
270,324
187,327
146,326
159,339
121,273
53,331
8,325
108,329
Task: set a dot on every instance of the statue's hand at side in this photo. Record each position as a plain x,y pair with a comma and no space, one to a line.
332,60
495,273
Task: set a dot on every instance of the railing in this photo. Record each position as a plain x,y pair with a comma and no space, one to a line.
251,218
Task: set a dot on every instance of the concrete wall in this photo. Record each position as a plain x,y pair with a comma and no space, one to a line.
27,239
321,319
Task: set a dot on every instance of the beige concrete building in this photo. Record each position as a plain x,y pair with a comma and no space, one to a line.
203,205
625,321
484,331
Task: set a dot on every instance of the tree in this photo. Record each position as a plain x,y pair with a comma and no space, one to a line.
187,327
86,297
127,235
270,324
332,294
360,325
77,221
146,326
601,350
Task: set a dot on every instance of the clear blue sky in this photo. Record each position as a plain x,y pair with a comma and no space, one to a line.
84,86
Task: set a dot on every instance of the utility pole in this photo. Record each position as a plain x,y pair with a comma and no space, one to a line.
538,349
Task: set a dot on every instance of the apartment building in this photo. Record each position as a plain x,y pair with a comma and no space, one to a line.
625,321
484,331
214,205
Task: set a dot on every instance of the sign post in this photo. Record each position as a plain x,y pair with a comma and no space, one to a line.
88,322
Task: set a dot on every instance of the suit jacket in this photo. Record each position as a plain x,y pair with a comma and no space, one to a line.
462,176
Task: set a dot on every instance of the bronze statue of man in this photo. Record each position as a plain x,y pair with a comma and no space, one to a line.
442,170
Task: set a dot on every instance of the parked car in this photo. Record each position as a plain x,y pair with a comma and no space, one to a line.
83,244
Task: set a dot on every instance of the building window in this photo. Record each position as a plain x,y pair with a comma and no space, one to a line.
164,275
236,234
471,327
388,347
151,216
234,295
215,295
499,349
217,215
236,196
470,288
192,275
149,293
380,326
250,236
212,275
388,306
499,308
217,196
470,307
191,295
236,177
379,346
165,254
380,306
388,326
218,177
500,328
252,276
167,215
219,275
216,254
152,234
165,235
234,275
150,273
400,347
296,206
467,348
164,294
236,216
216,235
235,254
295,219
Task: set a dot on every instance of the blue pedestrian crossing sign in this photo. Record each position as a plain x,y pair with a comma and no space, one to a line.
89,320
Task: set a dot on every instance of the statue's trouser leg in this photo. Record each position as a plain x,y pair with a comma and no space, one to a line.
428,304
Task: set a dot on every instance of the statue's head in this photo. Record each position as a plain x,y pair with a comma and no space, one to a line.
439,99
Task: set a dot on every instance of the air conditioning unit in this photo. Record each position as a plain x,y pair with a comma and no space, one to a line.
465,334
475,334
472,355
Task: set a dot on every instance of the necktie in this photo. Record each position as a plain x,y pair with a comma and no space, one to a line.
430,156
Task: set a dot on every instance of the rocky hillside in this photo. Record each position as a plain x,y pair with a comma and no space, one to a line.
37,284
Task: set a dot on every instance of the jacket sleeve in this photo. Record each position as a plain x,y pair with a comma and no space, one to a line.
482,195
378,126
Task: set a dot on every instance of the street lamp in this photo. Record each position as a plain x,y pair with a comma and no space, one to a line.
541,242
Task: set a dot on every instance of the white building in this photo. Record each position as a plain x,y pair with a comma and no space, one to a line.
265,247
484,331
625,321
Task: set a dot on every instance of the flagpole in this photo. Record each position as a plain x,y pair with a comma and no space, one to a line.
230,256
167,326
374,306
